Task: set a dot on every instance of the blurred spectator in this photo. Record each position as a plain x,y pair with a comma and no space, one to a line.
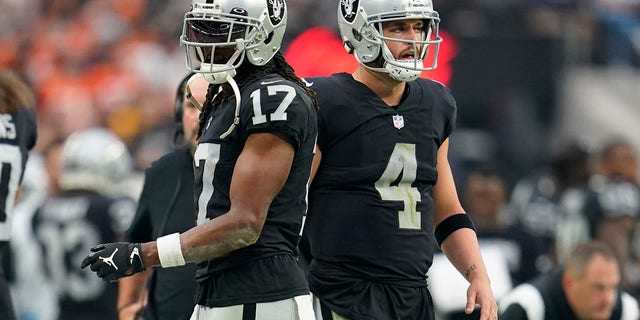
90,61
607,208
613,211
618,22
586,287
485,196
618,159
536,199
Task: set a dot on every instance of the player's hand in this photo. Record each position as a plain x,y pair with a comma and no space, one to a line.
132,311
113,261
479,293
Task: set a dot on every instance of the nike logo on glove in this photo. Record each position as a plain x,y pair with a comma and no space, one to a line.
109,261
134,253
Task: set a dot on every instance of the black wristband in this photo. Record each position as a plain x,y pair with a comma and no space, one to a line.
451,224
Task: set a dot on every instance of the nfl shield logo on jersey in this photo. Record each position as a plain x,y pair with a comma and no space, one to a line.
398,121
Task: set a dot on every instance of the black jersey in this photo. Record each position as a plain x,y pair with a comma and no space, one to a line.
370,206
166,206
17,136
275,105
536,206
68,225
370,219
543,299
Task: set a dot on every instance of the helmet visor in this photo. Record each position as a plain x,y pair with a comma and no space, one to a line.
213,32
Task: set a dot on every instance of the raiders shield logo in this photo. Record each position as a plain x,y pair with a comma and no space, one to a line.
348,9
398,121
277,11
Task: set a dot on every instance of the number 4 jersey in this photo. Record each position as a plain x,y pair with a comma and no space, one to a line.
370,209
17,136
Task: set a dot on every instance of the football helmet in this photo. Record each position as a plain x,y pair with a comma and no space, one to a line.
219,35
94,159
360,23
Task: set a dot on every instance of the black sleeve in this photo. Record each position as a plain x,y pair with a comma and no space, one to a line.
277,106
514,312
140,228
452,114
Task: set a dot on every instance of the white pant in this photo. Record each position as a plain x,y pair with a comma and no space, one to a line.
329,314
297,308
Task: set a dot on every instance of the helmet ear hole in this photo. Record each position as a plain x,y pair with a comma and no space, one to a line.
356,35
269,38
349,47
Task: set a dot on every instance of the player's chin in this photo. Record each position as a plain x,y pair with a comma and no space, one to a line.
602,314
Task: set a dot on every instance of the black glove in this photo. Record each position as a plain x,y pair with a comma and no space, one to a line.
113,261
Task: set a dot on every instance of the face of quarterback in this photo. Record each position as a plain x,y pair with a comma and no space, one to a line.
410,30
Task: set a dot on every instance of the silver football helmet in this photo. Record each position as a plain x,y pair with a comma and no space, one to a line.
94,159
360,23
219,35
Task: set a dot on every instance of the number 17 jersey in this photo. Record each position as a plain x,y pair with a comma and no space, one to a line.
266,270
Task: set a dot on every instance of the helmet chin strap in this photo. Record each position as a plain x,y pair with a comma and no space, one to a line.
189,95
216,77
221,76
236,118
403,74
225,76
401,70
236,92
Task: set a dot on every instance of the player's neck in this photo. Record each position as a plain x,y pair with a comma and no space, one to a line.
388,89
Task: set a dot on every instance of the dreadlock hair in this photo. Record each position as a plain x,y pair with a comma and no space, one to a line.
246,74
14,93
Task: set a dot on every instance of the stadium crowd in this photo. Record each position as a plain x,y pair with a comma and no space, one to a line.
115,64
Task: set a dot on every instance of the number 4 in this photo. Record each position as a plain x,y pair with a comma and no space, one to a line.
402,163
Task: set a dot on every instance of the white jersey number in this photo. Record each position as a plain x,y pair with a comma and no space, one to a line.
10,171
66,243
395,184
206,157
280,114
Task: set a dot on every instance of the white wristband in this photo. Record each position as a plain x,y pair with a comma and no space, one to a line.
170,251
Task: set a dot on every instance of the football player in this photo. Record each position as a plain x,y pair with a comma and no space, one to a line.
18,134
384,184
257,135
87,210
